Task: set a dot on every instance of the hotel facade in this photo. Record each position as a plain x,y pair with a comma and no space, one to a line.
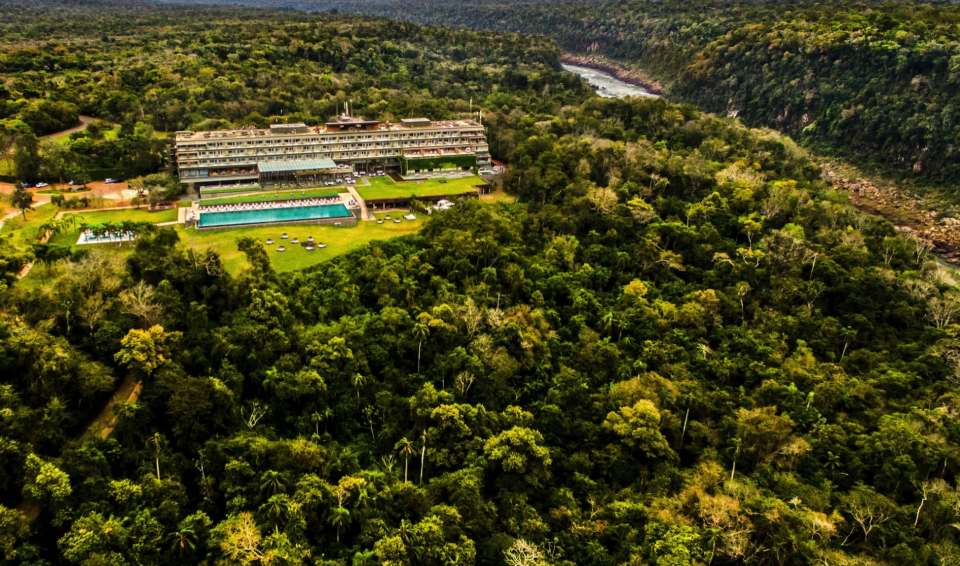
293,152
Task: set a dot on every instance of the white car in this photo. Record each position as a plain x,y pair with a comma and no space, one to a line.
42,185
110,181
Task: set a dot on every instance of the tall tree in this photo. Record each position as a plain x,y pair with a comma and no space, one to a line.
26,157
21,198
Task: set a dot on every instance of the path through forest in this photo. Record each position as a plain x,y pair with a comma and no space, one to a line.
102,425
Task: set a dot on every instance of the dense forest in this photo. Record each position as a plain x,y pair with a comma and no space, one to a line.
679,346
161,70
874,82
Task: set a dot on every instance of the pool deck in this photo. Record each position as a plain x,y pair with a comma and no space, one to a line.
349,220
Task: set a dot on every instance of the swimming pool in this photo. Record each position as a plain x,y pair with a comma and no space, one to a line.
267,215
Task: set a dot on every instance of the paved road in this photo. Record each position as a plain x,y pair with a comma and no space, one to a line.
84,120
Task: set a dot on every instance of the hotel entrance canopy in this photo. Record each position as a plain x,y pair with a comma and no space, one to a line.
300,166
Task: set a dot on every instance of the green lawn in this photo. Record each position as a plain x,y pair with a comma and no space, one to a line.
273,196
104,216
337,239
109,135
381,187
23,233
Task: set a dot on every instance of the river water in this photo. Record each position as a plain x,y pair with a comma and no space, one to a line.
606,84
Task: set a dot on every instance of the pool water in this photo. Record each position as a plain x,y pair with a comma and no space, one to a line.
294,213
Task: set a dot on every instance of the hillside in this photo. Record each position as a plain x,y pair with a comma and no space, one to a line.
871,82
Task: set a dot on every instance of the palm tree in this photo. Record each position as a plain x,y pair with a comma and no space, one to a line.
327,415
609,321
270,381
273,482
185,540
848,335
420,333
155,440
404,530
423,452
406,448
338,517
735,444
317,418
358,381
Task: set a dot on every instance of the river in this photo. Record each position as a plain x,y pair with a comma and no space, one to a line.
606,84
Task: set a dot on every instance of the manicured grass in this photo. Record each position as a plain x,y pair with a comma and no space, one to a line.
337,239
104,216
108,135
273,196
23,233
384,187
134,214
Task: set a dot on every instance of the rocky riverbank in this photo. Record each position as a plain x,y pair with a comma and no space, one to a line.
933,221
634,77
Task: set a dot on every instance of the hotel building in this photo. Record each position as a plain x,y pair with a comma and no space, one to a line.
290,152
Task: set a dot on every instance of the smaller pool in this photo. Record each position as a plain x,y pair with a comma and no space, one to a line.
292,214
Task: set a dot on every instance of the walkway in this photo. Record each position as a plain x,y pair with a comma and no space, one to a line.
103,426
364,214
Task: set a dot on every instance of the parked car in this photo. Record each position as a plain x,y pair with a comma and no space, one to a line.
42,185
26,185
110,181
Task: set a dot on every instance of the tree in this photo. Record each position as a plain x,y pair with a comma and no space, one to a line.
7,143
272,482
26,157
146,350
55,159
406,448
21,198
523,553
141,302
867,508
358,381
155,442
520,450
421,331
14,531
423,452
638,427
241,541
45,482
50,254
